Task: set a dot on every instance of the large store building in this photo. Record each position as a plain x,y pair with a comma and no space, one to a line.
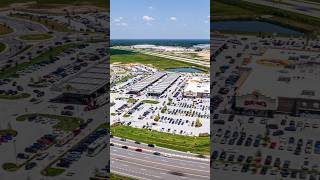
279,87
197,87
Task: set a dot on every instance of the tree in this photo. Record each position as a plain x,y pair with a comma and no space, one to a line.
198,123
157,117
164,109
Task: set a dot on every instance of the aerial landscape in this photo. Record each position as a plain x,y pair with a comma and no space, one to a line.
160,89
53,89
265,97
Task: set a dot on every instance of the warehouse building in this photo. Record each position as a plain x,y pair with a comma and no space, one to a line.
146,82
159,88
84,86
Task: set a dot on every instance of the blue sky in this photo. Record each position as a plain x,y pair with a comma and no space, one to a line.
160,19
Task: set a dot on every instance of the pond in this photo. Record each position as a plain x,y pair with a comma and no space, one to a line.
252,26
186,69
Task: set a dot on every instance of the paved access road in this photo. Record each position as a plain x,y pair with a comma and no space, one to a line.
145,165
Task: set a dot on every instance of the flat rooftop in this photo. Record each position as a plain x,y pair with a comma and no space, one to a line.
164,83
85,82
198,85
144,83
276,81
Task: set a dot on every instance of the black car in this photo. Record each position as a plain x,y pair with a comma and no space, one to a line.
30,165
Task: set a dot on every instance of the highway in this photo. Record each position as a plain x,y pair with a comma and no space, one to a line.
145,165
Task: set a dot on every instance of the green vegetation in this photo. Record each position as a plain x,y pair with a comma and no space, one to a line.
54,171
157,117
4,29
164,109
158,62
12,132
119,177
66,123
149,101
126,115
113,114
11,167
36,37
2,47
198,123
42,57
104,125
14,97
199,145
121,52
132,100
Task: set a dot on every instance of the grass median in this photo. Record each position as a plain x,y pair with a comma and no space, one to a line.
54,171
2,47
198,145
14,97
127,57
36,37
66,123
120,177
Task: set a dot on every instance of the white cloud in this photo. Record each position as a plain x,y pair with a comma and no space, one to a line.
118,19
173,18
150,7
148,18
121,24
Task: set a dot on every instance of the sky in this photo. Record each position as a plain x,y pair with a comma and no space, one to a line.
160,19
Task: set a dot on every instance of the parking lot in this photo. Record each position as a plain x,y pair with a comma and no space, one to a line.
253,144
168,112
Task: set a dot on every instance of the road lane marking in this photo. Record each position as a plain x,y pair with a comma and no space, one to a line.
138,164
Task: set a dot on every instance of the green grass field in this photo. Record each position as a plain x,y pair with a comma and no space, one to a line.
2,47
127,57
119,177
33,37
65,123
199,145
42,57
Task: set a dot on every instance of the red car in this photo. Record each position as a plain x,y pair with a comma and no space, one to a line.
273,145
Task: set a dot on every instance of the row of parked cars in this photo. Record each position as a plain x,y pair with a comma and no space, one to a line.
41,144
74,154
